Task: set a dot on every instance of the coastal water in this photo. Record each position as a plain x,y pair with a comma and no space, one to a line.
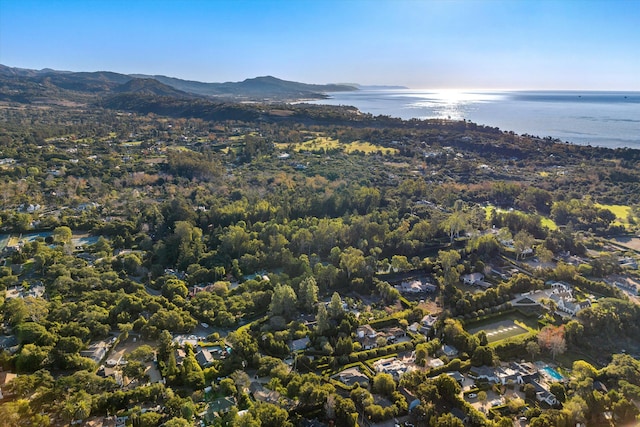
606,119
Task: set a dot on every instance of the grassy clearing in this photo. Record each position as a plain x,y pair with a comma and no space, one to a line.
500,330
504,326
240,138
328,144
178,148
546,222
622,213
549,223
369,148
567,358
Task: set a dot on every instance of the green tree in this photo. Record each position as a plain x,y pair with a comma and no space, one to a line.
482,398
174,287
308,293
62,235
384,384
270,415
533,349
449,261
457,221
448,420
522,241
322,320
150,419
177,422
134,370
352,261
283,301
559,391
335,309
344,346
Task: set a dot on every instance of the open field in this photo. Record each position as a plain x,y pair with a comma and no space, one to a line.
500,330
502,327
622,213
324,143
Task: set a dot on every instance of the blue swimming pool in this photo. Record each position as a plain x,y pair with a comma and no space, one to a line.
553,373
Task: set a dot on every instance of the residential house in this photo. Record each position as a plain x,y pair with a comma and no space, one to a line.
428,321
500,272
472,279
9,343
559,286
393,366
456,376
412,287
180,354
517,373
415,327
366,336
204,358
544,395
393,334
262,394
484,373
299,344
435,363
96,351
567,303
449,351
219,406
415,287
352,376
411,399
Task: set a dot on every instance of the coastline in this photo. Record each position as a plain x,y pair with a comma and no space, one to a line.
597,118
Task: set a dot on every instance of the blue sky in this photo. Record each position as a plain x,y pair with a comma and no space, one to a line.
465,44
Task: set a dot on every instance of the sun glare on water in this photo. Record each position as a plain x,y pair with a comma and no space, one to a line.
450,103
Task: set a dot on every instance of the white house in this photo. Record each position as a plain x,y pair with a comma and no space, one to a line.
568,304
366,336
544,395
428,321
472,279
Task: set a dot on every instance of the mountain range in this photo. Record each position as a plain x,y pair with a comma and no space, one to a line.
47,85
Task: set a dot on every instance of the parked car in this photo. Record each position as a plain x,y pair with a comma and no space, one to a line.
472,395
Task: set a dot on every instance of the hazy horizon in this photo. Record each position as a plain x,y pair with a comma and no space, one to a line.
430,45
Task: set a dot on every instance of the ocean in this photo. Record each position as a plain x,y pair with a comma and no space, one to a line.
606,119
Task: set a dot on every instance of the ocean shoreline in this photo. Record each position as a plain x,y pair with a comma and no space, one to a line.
598,118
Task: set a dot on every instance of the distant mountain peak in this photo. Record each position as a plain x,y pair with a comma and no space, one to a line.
149,86
101,83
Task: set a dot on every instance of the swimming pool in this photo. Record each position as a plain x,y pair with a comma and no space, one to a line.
553,373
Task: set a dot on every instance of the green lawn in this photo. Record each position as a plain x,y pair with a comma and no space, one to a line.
500,330
621,212
502,327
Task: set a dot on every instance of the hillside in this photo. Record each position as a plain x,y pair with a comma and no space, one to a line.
23,85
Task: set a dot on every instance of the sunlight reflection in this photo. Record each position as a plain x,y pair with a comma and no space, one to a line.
450,103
